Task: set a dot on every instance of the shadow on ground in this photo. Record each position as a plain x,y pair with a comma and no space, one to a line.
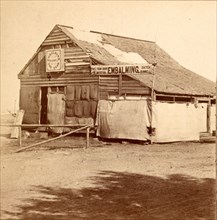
125,196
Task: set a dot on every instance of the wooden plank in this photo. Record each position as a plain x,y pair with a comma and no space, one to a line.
108,87
75,70
83,56
57,84
77,60
75,54
60,36
70,59
57,42
135,88
108,83
76,76
73,50
76,64
18,120
57,35
56,30
132,84
108,79
56,39
136,92
61,80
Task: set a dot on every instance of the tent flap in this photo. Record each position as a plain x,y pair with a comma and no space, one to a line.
122,119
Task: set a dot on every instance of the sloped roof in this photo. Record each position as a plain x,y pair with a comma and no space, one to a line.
171,77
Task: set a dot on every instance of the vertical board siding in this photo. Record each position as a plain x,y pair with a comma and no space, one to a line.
30,103
41,62
32,68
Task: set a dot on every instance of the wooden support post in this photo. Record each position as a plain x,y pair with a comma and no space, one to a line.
120,85
152,100
88,137
208,118
20,136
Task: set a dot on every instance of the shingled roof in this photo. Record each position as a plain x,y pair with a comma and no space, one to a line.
171,77
108,49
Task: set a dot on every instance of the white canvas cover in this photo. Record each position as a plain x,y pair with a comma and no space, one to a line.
130,120
123,119
179,122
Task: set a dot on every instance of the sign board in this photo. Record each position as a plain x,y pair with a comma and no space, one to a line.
119,69
54,60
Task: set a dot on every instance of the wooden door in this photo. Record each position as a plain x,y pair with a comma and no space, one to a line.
56,109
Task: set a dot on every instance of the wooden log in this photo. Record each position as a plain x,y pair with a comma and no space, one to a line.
53,139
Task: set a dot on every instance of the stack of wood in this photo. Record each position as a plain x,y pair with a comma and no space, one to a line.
206,137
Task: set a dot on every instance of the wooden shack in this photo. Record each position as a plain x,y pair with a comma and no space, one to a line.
73,70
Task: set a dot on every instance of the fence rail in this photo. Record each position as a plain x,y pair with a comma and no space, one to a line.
20,126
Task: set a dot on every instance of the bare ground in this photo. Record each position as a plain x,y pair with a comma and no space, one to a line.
62,181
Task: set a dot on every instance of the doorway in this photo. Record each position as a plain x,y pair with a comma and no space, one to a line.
44,100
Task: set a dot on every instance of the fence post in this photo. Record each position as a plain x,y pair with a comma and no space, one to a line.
88,137
20,136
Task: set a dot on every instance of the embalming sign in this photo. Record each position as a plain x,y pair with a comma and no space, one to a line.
54,60
119,69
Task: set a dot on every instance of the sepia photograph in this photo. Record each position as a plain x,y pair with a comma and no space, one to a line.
108,110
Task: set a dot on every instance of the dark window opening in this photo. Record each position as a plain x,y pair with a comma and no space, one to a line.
165,98
183,99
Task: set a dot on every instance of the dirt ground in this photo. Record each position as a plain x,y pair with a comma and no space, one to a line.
109,180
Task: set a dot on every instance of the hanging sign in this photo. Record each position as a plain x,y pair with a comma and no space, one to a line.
54,60
119,69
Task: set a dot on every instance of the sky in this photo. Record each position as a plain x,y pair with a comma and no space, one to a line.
184,29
